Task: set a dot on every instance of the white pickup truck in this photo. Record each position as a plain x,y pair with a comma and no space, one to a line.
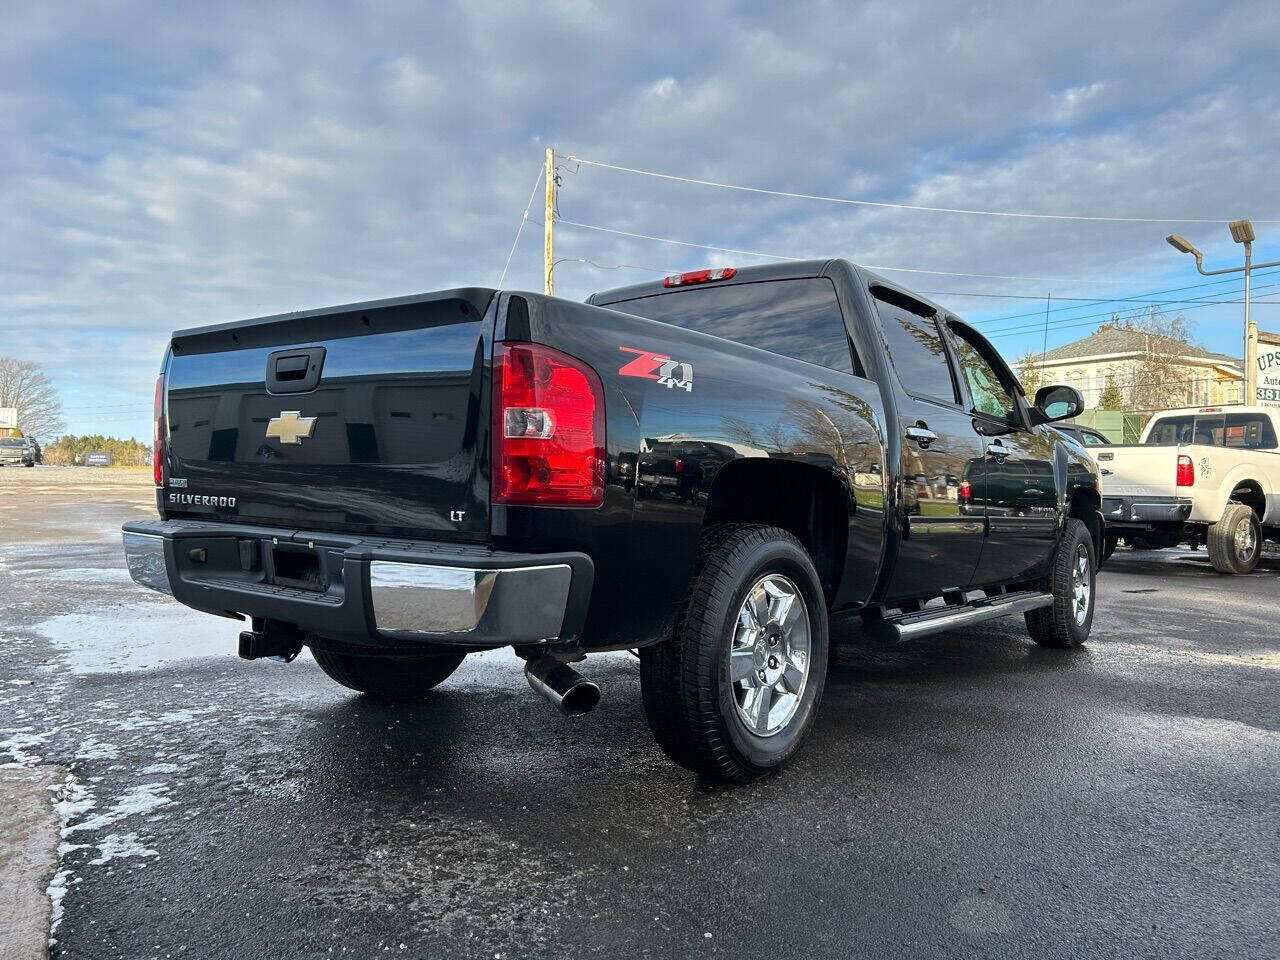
1200,475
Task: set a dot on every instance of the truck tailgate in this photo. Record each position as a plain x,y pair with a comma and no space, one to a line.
364,418
1138,470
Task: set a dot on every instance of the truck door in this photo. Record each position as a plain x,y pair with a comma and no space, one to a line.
942,532
1014,482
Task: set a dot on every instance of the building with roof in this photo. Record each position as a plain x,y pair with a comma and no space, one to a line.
1124,357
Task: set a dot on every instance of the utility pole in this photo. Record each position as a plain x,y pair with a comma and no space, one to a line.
1241,232
548,219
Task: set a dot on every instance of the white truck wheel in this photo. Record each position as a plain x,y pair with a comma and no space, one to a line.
1235,541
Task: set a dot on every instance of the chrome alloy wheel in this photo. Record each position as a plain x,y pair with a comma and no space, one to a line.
769,655
1245,541
1081,585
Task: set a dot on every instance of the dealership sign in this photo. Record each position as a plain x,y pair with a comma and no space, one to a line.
1268,382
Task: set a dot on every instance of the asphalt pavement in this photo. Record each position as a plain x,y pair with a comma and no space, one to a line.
969,795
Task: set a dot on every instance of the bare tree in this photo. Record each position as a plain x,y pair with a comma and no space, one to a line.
1159,377
24,385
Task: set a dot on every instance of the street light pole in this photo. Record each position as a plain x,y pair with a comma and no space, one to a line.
1241,232
1250,333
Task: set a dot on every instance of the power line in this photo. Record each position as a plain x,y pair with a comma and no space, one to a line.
1068,322
140,405
1088,321
520,229
688,243
1191,286
901,206
778,256
616,266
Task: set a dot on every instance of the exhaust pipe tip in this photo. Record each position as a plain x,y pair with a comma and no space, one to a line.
571,692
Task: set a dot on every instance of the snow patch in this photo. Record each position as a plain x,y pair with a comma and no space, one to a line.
115,846
144,798
91,748
73,799
18,744
157,768
140,720
151,635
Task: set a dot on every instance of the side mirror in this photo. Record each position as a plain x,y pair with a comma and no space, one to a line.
1059,403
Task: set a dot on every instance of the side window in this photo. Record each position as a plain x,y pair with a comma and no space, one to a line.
1170,431
1250,430
1093,440
991,395
916,350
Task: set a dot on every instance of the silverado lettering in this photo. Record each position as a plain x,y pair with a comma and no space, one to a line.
195,499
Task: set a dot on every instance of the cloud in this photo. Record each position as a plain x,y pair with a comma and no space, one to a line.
164,169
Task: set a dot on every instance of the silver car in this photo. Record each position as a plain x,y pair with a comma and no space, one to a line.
16,452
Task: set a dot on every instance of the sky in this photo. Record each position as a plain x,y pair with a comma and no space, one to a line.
168,164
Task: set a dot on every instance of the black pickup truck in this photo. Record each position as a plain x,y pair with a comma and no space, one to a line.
706,469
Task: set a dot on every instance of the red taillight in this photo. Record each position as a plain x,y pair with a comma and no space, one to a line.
548,428
699,276
1186,471
965,493
157,447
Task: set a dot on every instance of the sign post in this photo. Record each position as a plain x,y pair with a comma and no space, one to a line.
1267,370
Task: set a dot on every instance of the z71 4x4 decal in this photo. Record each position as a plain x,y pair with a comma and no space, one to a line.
672,374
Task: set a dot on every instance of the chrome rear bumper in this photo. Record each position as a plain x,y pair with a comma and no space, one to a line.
144,556
374,591
519,604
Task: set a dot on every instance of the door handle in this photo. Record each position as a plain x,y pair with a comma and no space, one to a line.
921,435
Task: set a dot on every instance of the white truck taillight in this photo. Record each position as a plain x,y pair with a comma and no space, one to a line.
1186,473
548,428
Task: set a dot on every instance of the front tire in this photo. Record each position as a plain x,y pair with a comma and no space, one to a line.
1235,541
734,691
388,678
1067,621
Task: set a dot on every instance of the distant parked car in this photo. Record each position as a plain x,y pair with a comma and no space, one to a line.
1087,436
36,453
16,452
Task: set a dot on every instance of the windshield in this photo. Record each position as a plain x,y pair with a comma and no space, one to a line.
13,442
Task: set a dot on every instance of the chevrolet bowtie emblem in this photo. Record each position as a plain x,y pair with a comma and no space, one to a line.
291,427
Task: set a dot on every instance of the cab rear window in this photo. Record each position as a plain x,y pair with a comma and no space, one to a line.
1249,431
794,318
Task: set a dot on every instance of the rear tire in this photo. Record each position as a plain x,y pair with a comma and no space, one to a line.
1235,541
1109,544
1067,621
734,691
388,678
